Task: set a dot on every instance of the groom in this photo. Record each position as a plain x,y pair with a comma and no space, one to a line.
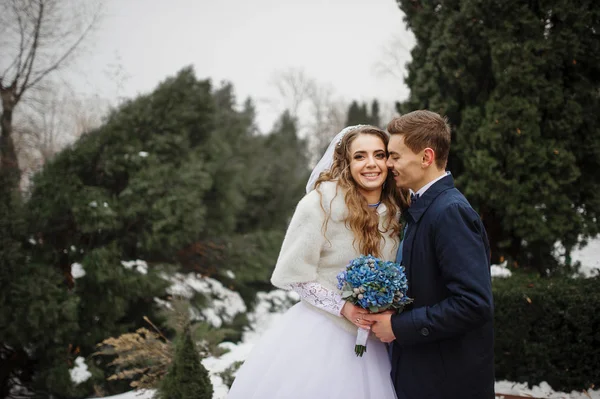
443,346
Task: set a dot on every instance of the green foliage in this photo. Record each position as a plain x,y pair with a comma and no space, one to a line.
187,377
176,179
519,82
12,232
228,375
276,178
248,255
546,330
136,179
130,190
269,174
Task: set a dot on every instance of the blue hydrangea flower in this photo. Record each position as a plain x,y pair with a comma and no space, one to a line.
382,285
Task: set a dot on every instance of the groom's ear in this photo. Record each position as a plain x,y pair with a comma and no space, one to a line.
428,157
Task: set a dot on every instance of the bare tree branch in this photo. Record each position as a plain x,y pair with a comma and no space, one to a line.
28,63
318,113
394,56
42,74
40,36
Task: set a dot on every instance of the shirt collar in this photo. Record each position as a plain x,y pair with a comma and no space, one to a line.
431,183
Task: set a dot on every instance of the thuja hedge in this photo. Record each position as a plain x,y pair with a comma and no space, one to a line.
548,329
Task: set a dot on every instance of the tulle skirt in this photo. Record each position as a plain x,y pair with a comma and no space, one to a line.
306,356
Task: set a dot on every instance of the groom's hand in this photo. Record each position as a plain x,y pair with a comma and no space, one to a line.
382,327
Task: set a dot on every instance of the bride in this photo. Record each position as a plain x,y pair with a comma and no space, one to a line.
348,210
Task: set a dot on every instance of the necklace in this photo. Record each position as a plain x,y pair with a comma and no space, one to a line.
374,205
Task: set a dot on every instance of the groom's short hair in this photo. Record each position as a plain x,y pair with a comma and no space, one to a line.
422,129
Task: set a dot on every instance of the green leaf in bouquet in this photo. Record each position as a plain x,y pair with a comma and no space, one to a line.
346,294
374,309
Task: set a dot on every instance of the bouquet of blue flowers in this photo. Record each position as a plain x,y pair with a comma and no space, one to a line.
375,285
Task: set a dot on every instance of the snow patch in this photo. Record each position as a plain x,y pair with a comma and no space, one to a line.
140,394
270,307
80,372
225,303
544,390
589,256
77,270
500,270
163,303
139,265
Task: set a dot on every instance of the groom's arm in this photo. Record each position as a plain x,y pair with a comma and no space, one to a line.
460,246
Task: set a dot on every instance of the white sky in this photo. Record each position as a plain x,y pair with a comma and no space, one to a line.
339,42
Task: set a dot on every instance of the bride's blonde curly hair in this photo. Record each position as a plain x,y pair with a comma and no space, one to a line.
361,219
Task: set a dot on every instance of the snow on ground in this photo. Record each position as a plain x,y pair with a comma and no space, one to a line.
589,256
141,394
225,303
541,391
270,307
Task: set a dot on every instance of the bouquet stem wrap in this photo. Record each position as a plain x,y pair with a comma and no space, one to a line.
361,341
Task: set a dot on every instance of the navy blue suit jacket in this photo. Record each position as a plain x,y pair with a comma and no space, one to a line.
444,347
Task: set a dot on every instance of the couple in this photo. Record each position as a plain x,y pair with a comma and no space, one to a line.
440,347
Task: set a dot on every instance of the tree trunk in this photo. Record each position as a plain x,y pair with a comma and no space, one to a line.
10,174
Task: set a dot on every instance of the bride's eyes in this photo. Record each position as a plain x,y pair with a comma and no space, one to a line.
379,155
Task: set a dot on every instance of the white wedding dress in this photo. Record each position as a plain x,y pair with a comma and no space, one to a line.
309,352
307,356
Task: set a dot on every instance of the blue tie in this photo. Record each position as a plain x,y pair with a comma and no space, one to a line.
414,197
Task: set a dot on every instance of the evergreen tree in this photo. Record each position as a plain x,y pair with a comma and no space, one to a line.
130,190
275,181
356,115
36,309
278,178
520,83
374,117
187,377
12,258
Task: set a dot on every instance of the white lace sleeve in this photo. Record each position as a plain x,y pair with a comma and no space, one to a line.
320,297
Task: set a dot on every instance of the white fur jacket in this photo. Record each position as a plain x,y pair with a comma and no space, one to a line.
310,254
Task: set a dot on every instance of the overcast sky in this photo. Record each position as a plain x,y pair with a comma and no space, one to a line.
141,42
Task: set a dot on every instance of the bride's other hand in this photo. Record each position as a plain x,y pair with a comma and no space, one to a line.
355,315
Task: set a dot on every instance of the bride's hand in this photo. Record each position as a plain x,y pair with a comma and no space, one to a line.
355,315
